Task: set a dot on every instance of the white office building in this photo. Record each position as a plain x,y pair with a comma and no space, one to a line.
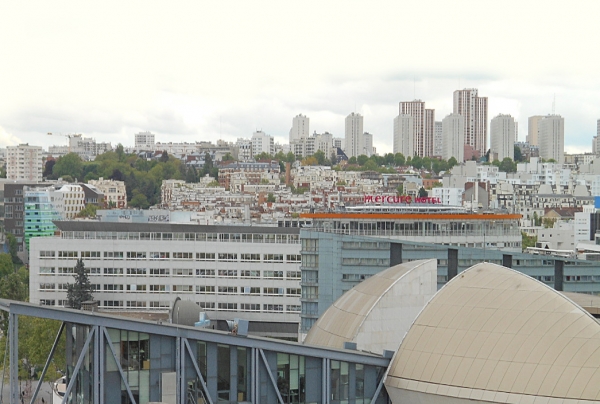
145,141
368,144
354,135
423,123
230,271
24,162
502,137
453,135
552,138
404,135
262,143
300,128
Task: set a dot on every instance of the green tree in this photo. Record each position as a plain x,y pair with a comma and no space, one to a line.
36,336
399,159
270,197
164,157
400,189
362,159
518,154
537,221
81,290
88,211
548,222
416,162
352,160
227,157
422,193
508,166
139,200
48,168
13,248
527,241
69,164
120,152
452,162
6,265
320,156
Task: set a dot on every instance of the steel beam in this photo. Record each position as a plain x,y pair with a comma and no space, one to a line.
194,362
273,381
78,365
109,343
48,360
13,335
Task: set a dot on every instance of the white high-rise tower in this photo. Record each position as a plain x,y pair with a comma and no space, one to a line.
300,128
533,129
423,126
404,135
453,135
552,138
354,135
502,137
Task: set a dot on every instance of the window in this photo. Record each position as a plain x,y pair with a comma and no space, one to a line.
250,257
183,272
136,255
229,257
253,274
309,245
47,302
249,290
67,254
273,257
205,289
47,286
227,306
117,255
160,305
113,288
159,255
205,256
292,308
183,255
136,288
273,307
293,258
293,274
310,261
273,274
228,273
159,288
113,271
47,254
273,291
94,271
136,271
135,303
206,305
292,291
46,270
228,290
160,271
90,254
205,273
113,303
310,292
183,288
250,307
65,271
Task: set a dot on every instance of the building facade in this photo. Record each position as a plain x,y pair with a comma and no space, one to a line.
145,141
453,137
230,271
354,135
262,143
404,135
552,138
438,139
300,128
24,163
533,129
423,126
474,109
502,137
115,194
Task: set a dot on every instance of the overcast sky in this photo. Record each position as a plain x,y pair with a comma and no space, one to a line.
200,70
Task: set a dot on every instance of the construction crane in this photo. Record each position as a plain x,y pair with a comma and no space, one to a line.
68,136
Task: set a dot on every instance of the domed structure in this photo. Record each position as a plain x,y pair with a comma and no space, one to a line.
377,312
494,335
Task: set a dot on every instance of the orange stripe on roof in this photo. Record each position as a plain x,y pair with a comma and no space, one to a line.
415,216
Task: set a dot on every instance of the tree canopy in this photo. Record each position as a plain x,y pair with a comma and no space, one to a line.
81,290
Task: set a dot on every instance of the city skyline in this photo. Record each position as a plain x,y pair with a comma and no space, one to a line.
189,73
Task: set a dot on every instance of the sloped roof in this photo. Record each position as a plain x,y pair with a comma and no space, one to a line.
381,308
494,334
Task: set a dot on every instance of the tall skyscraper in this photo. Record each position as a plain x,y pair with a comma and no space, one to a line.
533,129
502,137
596,140
404,135
453,135
367,144
300,128
474,109
552,138
354,135
423,126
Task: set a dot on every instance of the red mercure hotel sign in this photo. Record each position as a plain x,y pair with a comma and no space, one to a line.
407,199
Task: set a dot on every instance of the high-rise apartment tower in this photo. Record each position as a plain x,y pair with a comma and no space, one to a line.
474,109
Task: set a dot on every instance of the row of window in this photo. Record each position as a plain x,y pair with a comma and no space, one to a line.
160,255
366,261
216,237
200,289
202,273
277,308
